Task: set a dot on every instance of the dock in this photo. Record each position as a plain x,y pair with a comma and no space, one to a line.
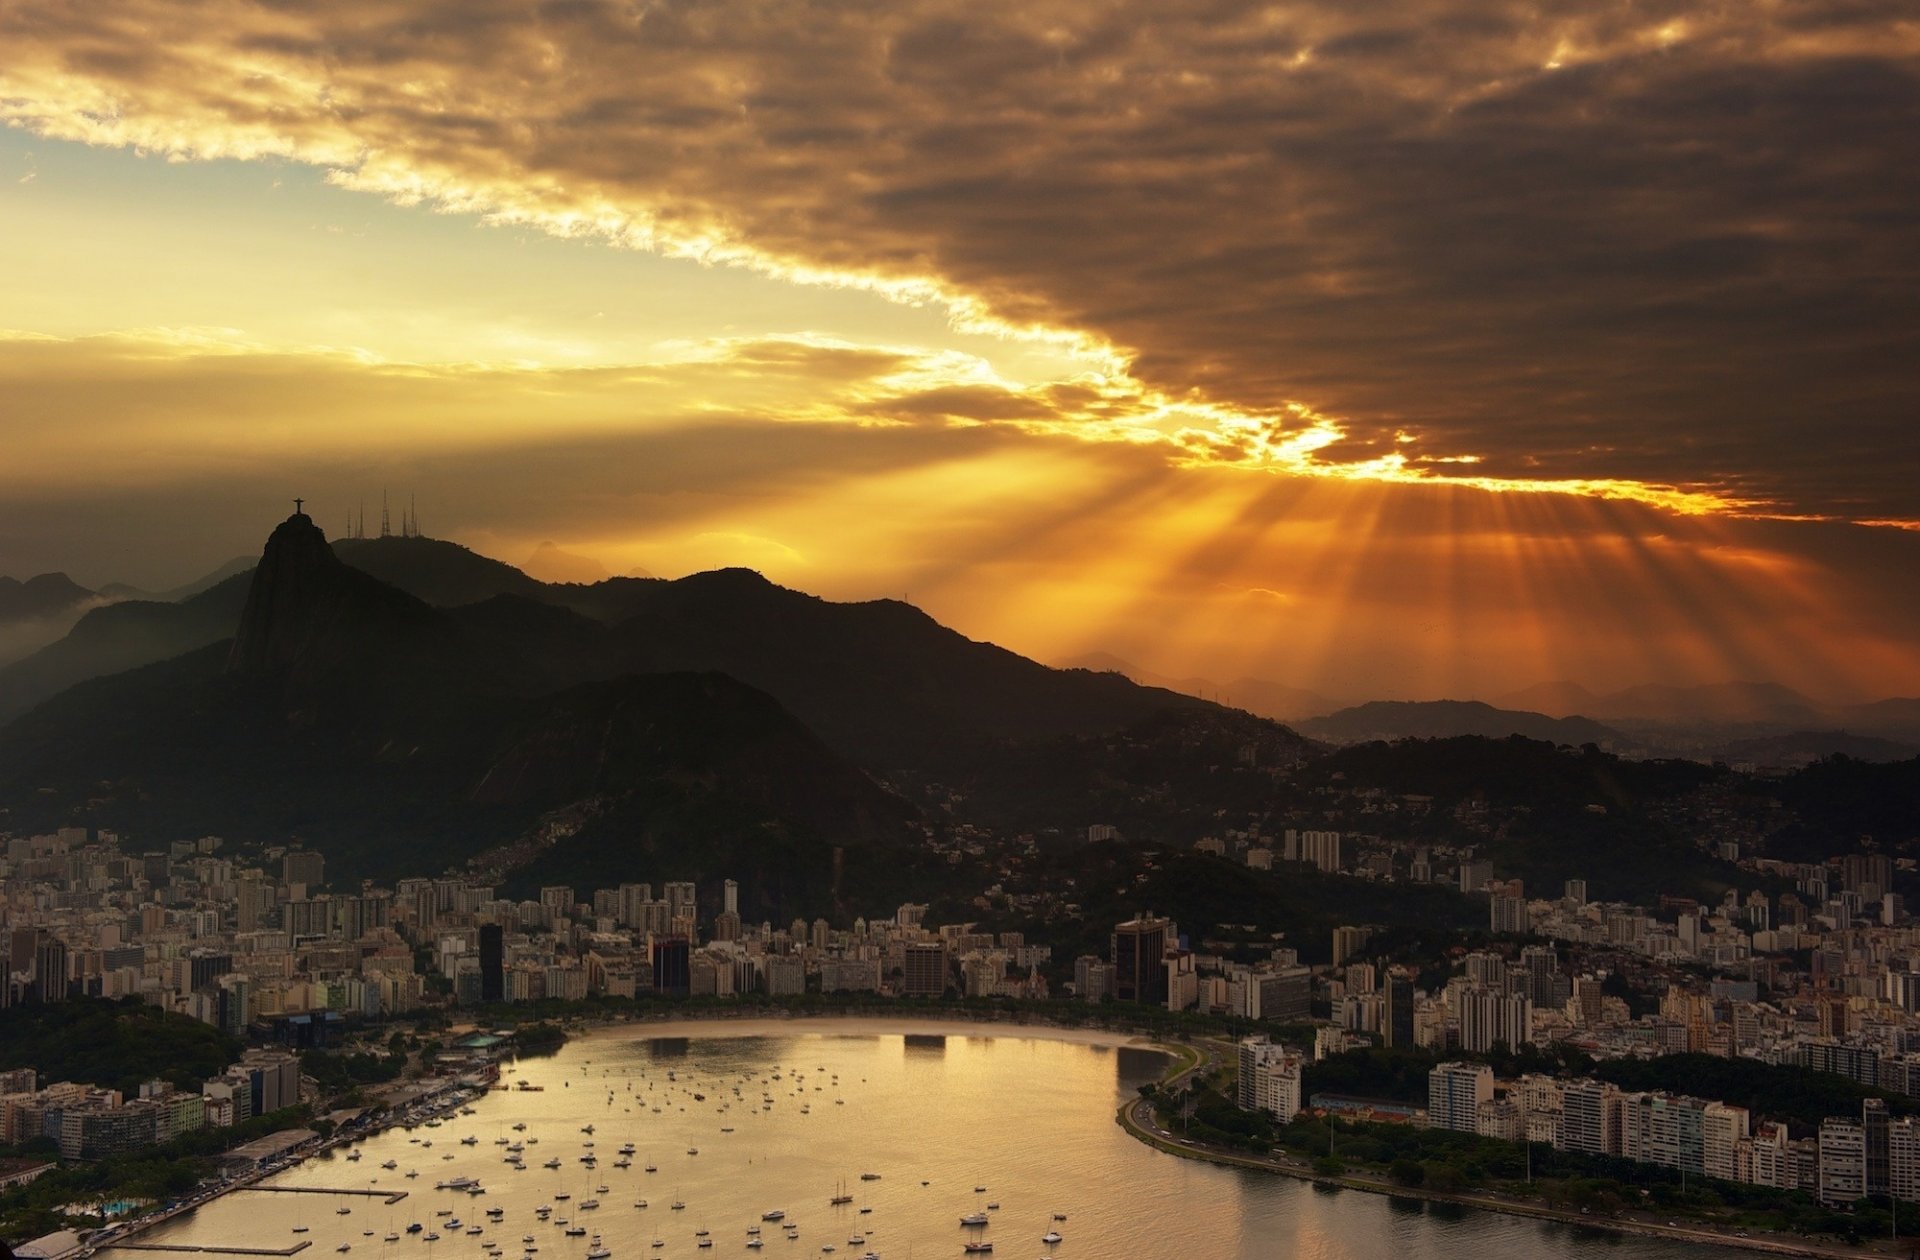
298,1247
391,1196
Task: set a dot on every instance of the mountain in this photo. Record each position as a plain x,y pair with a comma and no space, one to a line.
549,563
232,568
1726,702
38,611
881,681
398,736
1802,748
1555,699
1446,719
1897,719
1256,695
1702,704
436,572
119,637
41,597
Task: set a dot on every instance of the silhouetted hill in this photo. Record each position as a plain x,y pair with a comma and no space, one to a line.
1897,719
435,571
1564,812
1843,806
1709,702
1262,696
207,581
1555,699
47,595
1444,719
122,636
1801,748
396,736
881,681
316,625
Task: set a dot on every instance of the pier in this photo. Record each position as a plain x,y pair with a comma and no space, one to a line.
298,1247
391,1196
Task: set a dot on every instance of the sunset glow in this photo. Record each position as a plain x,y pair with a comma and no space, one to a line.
1429,359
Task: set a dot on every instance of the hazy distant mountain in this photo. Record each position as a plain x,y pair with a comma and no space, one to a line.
1446,719
1256,695
118,637
1710,703
40,597
549,563
1555,699
38,611
1734,702
232,568
1890,719
1802,748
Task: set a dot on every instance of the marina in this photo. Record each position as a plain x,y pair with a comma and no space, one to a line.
940,1144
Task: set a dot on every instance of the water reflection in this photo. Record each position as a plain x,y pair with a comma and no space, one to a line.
772,1116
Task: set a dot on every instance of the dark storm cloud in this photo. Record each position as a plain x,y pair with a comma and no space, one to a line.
1672,242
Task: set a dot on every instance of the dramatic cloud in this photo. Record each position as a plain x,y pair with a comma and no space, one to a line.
1656,244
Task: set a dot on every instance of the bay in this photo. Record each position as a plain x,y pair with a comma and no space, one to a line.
794,1112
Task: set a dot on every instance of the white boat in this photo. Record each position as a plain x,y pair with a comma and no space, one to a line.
598,1252
455,1183
974,1218
390,1165
1051,1237
775,1215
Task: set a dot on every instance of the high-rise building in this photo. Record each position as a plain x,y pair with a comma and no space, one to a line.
1489,1017
1590,1117
50,969
730,898
1399,1016
304,867
493,960
924,969
1454,1094
1139,947
1903,1159
1843,1162
672,961
1269,1078
1876,1121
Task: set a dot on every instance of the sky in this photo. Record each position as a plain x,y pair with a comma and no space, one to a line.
1434,349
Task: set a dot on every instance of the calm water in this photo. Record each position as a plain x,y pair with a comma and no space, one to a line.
1029,1119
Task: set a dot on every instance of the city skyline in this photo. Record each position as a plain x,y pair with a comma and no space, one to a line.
1436,357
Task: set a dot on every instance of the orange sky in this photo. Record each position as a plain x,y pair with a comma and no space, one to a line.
1436,353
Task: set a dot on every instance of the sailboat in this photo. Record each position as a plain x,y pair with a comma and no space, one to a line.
840,1194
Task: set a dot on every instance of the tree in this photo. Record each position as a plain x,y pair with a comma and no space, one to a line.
1408,1172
